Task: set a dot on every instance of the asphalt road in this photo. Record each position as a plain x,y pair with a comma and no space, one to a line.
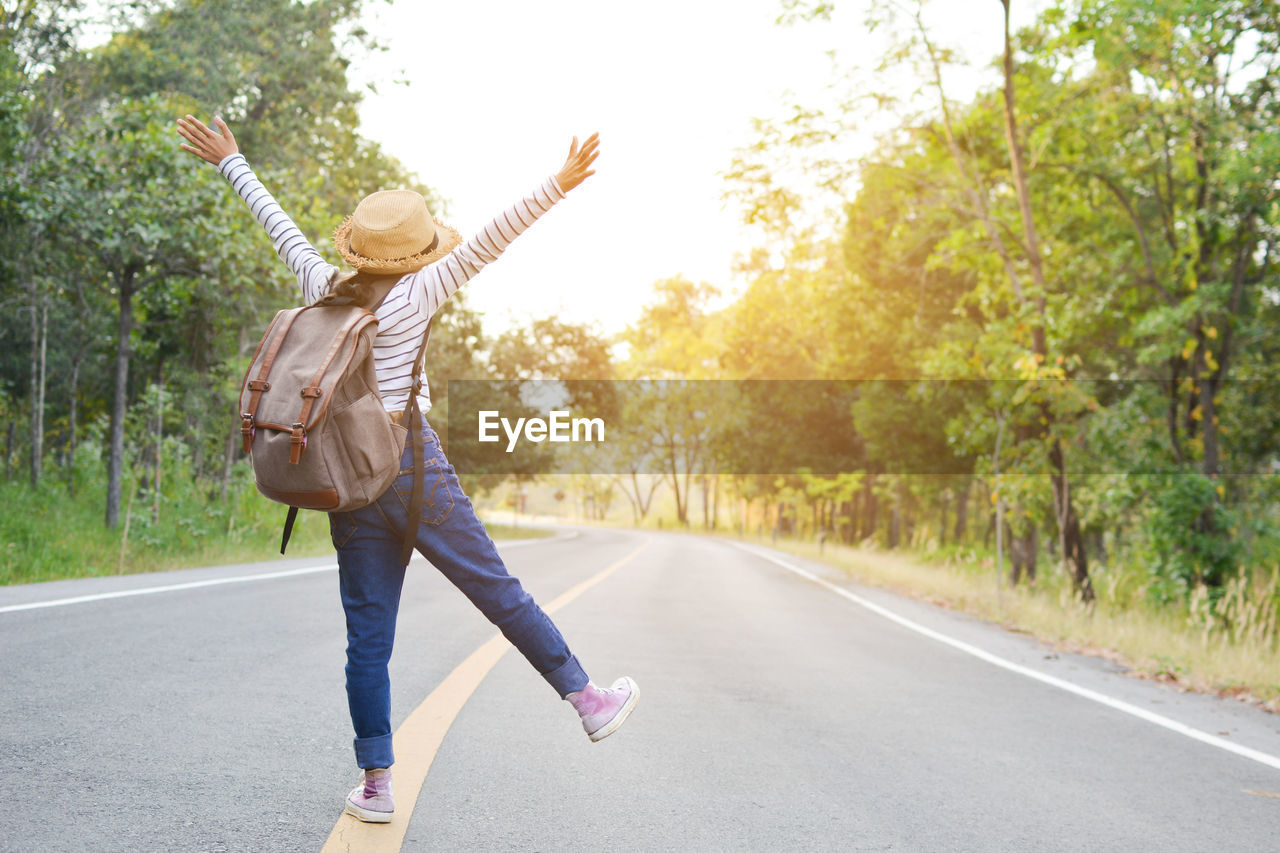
775,715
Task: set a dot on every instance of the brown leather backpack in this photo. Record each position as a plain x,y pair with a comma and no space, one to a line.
312,419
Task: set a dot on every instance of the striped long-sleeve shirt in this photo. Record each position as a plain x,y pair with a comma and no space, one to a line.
403,315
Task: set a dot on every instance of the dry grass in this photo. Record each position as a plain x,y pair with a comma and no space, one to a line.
1226,647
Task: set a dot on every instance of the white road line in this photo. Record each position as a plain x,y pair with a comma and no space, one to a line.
151,590
1061,684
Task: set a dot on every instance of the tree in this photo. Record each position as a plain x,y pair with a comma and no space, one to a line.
674,337
185,263
145,216
1187,159
37,107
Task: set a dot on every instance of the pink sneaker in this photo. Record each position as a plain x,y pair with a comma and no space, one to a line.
371,800
603,711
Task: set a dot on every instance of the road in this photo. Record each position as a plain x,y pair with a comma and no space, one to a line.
776,714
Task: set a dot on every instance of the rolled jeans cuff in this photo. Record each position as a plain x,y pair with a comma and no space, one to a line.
374,752
567,678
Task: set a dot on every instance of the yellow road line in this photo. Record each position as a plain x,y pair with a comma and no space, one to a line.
419,737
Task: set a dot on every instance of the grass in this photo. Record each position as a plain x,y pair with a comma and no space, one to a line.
53,532
1169,642
507,531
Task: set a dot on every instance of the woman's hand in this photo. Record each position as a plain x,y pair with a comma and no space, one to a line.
577,166
204,142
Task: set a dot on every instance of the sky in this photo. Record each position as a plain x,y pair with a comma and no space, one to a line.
493,91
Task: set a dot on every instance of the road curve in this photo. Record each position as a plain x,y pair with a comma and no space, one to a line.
776,715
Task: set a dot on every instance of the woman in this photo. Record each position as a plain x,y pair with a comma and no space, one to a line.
411,263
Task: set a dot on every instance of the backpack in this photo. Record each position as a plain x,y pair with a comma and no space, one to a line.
312,420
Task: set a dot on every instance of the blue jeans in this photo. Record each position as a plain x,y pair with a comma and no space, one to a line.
368,541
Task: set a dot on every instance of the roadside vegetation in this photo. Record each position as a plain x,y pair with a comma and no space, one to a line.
56,532
1224,645
59,532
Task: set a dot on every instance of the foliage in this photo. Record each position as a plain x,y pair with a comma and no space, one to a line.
1116,334
198,526
127,262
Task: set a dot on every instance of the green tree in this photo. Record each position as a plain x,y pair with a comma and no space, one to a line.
114,215
41,101
1186,155
144,215
674,336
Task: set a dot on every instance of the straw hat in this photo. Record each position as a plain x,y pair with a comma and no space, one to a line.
393,232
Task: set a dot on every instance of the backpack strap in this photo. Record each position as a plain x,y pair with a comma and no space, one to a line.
382,290
288,528
261,383
419,450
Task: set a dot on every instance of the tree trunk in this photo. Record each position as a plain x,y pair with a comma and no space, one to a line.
193,430
1212,383
635,510
706,502
997,520
942,525
638,498
907,526
682,497
1073,545
159,447
715,501
72,411
962,513
197,451
895,521
1070,540
39,360
869,508
115,459
229,458
647,502
1097,546
8,452
1022,553
1209,428
1018,164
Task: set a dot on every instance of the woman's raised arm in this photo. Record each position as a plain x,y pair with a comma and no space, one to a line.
219,148
436,283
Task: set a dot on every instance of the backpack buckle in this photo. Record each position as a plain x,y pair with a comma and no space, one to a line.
297,443
247,430
311,391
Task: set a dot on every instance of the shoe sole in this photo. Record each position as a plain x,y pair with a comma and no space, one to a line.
366,815
621,717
